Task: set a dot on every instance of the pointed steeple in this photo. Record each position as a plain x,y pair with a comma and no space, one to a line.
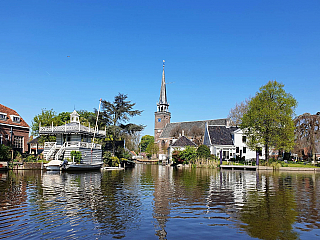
163,103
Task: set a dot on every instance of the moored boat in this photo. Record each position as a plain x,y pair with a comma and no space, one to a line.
54,165
82,166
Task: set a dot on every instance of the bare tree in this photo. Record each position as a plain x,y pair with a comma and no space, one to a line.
237,112
307,133
176,131
197,135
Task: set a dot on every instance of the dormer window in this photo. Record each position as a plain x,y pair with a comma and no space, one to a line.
15,118
3,116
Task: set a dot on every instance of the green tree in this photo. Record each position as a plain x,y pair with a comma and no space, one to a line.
152,148
268,120
45,118
5,153
115,116
76,155
145,140
189,154
203,151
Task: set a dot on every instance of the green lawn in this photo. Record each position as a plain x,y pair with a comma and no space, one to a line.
301,165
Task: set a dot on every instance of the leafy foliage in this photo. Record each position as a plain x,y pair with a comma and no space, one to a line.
269,119
145,140
116,114
203,151
77,156
152,148
5,153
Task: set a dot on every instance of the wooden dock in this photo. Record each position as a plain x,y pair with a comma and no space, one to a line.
239,167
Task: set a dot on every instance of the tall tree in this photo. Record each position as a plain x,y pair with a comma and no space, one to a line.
237,112
307,132
145,140
115,116
269,119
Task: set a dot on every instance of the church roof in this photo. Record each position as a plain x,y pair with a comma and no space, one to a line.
221,135
168,130
183,141
163,91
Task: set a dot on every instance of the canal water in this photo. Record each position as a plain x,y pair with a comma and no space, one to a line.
158,202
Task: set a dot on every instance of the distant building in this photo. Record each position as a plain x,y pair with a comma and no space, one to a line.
217,134
14,131
73,137
180,144
230,140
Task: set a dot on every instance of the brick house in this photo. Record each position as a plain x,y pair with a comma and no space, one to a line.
14,131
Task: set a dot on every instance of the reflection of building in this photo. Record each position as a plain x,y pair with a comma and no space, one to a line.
14,131
73,137
162,199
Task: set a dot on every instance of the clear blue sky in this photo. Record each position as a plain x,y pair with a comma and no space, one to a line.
217,54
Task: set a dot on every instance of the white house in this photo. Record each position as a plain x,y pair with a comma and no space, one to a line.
228,139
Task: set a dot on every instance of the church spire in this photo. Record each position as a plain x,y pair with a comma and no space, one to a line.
163,104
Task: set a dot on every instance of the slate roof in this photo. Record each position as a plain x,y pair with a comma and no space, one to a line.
166,133
9,111
183,141
221,135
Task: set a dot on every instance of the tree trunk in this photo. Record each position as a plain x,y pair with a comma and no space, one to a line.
266,152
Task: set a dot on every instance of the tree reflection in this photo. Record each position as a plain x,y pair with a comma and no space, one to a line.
269,214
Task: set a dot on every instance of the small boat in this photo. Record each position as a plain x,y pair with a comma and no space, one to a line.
54,165
82,166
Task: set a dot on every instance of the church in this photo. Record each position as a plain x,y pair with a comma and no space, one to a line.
217,134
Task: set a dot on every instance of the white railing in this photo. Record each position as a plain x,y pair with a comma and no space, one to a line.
51,151
49,144
60,152
67,128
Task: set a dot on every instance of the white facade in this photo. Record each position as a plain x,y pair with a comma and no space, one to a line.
237,144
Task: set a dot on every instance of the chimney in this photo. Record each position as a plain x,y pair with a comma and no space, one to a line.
182,132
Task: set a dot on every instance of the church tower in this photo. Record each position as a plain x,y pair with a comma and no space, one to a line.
162,115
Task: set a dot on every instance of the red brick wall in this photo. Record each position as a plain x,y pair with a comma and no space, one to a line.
23,132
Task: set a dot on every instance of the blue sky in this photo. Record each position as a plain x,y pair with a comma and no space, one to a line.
217,54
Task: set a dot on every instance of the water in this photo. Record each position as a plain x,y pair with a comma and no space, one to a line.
156,202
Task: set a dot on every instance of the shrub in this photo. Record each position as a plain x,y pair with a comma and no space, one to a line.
30,158
203,151
5,153
76,155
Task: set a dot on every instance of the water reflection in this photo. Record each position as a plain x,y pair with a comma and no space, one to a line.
157,202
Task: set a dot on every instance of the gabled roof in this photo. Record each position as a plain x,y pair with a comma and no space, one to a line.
167,131
183,141
9,111
221,135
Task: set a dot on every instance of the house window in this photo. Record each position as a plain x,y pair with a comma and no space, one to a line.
237,149
244,139
15,118
3,116
18,142
244,150
6,137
